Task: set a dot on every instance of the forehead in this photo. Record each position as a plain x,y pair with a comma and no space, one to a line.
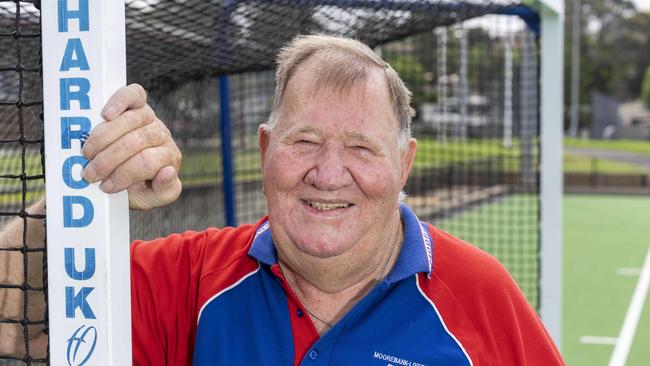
360,104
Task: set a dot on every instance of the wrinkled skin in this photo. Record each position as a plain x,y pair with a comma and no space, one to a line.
132,149
333,170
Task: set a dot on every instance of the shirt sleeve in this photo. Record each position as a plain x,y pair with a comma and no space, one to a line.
511,327
164,286
509,330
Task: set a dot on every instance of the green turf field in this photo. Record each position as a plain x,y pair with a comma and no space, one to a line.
601,235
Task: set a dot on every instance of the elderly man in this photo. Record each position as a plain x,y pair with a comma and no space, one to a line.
339,273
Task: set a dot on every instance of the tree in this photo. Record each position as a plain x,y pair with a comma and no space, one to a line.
645,90
615,44
413,74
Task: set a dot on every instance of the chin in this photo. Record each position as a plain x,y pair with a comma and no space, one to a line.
323,248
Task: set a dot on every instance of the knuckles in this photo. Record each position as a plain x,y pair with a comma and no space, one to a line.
177,156
101,166
141,167
138,117
148,163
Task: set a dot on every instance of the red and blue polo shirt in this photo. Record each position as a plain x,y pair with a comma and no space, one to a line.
218,297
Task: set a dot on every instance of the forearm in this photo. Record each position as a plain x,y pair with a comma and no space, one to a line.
21,279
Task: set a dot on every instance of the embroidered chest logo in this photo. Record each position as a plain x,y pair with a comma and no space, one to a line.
394,360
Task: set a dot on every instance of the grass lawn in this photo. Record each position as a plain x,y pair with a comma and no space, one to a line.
574,163
432,153
633,146
602,234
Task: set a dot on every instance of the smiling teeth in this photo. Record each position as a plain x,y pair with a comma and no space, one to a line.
327,206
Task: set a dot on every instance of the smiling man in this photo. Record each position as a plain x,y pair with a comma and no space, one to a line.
334,161
340,272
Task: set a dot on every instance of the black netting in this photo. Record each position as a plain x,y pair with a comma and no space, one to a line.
170,41
476,172
475,83
21,178
477,166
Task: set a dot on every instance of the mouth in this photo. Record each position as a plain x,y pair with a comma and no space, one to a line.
327,206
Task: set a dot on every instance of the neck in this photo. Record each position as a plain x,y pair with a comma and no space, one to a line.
328,288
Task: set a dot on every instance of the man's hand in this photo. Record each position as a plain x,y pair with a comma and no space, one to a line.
133,150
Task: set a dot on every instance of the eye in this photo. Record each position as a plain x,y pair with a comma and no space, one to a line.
361,149
306,142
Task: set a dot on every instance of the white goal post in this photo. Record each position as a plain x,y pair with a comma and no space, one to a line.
551,177
84,63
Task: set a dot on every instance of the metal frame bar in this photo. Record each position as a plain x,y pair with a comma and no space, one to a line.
228,172
552,68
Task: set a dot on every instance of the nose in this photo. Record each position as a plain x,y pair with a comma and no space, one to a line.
329,172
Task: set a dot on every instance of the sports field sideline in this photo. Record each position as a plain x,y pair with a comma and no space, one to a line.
606,240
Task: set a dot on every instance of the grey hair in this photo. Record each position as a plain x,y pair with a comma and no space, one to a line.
346,63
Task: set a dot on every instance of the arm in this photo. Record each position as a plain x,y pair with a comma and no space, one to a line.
131,150
12,273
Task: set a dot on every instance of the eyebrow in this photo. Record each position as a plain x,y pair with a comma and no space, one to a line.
305,129
363,138
294,133
351,135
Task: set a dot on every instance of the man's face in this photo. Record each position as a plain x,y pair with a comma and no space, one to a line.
332,166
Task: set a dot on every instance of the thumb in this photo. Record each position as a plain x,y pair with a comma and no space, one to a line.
165,187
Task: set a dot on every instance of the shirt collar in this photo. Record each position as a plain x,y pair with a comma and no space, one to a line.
415,256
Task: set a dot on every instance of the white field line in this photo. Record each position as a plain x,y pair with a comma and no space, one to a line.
626,271
598,340
622,348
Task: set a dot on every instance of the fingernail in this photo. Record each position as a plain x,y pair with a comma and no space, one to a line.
89,174
109,112
107,186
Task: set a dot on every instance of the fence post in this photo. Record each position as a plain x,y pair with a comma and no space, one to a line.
225,127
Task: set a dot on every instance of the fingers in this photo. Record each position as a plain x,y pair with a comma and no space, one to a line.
127,97
163,189
141,167
104,162
106,133
133,149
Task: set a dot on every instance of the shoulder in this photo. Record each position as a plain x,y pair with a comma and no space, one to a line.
210,249
471,282
459,263
168,287
483,305
475,280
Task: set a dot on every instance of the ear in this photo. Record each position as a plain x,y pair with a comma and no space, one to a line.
408,157
263,139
